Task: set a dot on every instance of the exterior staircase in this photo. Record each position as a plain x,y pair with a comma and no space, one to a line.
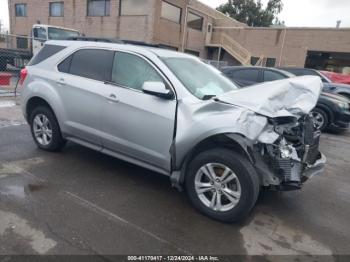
234,48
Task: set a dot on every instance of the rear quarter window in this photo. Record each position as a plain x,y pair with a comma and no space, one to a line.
46,52
65,65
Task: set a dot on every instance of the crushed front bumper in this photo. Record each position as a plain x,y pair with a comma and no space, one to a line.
316,169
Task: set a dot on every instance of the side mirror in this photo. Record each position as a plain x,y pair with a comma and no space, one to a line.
157,89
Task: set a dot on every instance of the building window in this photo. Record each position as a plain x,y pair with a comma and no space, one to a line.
191,52
195,21
171,12
254,60
21,9
133,7
98,7
56,8
270,62
22,42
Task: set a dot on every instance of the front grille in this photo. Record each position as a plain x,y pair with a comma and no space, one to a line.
283,167
312,139
309,131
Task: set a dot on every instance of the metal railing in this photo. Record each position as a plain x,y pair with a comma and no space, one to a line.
217,64
14,55
232,47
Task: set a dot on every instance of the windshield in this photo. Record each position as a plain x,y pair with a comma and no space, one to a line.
61,34
202,80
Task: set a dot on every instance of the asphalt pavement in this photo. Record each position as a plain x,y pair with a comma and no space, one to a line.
80,201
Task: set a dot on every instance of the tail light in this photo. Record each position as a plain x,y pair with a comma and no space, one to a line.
23,75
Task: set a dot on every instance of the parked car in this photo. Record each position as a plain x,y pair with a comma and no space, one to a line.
331,112
328,84
173,114
337,77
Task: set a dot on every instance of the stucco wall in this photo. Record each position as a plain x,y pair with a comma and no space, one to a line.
268,42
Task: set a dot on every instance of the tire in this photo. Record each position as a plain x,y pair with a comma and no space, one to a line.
56,142
321,119
248,184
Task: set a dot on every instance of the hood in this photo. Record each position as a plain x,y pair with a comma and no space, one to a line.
339,98
290,97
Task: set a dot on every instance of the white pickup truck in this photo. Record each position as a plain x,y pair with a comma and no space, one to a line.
19,49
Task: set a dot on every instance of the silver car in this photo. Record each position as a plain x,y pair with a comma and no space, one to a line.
171,113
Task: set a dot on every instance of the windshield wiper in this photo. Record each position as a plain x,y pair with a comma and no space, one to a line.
207,97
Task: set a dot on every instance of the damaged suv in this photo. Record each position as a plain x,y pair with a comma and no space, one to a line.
171,113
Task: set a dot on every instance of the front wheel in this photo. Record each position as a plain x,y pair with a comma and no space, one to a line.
222,184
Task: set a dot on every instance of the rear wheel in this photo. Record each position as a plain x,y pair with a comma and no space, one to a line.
222,184
320,119
45,129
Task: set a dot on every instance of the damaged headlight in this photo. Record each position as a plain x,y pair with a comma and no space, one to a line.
286,151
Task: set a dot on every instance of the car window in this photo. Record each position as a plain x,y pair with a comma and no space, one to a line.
39,33
202,80
272,76
45,52
251,75
306,72
132,71
90,63
301,72
65,65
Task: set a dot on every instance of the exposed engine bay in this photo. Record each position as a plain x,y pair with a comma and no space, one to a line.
293,152
273,128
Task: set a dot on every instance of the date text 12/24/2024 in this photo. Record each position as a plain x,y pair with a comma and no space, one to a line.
173,258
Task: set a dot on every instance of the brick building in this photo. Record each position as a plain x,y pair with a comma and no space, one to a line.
189,26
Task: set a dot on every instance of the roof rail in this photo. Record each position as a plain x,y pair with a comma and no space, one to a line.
132,42
110,40
95,39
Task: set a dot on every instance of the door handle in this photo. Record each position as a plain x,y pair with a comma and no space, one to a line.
112,98
61,82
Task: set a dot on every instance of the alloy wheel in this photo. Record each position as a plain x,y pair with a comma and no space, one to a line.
42,129
318,120
217,187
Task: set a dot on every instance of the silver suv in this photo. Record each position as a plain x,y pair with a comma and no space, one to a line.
172,113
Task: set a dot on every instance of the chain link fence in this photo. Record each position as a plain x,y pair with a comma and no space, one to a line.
14,55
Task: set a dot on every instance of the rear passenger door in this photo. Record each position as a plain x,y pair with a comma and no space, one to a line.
81,87
246,77
135,124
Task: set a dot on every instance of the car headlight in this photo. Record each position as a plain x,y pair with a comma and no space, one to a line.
343,106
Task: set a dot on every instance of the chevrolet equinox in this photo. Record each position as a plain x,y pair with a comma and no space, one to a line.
172,113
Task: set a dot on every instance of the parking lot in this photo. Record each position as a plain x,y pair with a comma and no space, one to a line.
79,201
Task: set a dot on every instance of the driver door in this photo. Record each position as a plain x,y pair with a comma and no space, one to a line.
136,124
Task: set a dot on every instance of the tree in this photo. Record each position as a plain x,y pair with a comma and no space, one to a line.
253,13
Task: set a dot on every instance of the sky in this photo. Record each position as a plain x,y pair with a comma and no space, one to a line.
296,13
308,13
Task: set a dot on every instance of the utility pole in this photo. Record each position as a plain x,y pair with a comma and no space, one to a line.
338,23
